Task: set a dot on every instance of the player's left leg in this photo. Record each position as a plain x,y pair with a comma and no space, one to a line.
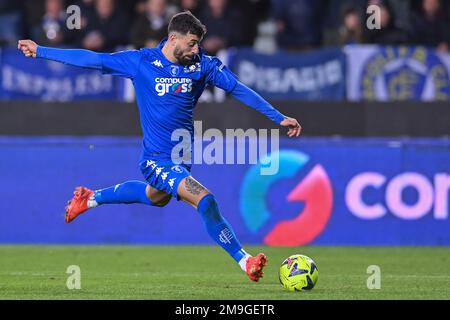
192,192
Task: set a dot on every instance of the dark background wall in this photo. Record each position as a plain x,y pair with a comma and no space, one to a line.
317,119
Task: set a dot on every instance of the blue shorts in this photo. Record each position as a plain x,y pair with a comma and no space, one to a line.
164,175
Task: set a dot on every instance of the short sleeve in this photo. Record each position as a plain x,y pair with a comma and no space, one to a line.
217,74
122,63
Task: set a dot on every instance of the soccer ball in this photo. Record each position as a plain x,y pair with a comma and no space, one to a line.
298,272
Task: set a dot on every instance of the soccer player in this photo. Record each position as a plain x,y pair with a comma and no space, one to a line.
168,81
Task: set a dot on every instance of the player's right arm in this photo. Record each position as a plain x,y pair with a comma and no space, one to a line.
124,63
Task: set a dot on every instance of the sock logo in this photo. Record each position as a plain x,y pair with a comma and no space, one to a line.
314,190
225,236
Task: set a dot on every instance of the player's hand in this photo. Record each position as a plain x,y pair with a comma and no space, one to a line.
294,127
28,47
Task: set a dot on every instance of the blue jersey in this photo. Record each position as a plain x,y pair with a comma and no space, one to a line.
166,92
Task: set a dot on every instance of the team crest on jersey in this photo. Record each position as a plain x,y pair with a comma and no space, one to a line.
174,70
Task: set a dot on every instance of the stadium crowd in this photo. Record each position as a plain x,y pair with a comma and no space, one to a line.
292,24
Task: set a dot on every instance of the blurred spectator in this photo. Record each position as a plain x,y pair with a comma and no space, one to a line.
351,30
107,27
389,33
402,10
151,27
86,6
430,26
11,22
191,5
299,23
224,24
335,9
255,12
52,30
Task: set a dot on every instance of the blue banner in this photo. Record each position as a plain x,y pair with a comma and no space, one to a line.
317,75
25,78
326,192
397,73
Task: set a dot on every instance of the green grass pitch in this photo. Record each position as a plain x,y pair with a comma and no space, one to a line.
206,272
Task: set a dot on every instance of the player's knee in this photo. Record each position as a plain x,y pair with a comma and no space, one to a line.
163,202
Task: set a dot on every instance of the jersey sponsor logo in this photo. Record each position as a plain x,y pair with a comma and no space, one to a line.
157,63
173,85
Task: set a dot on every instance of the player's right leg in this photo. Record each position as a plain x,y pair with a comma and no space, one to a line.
123,193
192,192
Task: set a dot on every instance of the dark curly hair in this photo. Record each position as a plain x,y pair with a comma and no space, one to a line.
185,22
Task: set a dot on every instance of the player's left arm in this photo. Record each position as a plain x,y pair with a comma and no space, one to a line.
251,98
220,76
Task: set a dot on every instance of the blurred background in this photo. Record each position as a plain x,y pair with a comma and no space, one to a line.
372,166
265,25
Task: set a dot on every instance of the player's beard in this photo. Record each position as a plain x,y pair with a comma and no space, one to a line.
179,55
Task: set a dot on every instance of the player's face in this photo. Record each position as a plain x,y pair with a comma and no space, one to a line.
186,47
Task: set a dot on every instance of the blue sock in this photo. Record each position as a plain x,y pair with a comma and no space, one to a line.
218,228
127,192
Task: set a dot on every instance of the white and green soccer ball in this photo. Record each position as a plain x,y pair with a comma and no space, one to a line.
298,272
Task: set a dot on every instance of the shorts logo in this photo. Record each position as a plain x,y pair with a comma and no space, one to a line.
164,176
171,182
158,170
150,162
177,169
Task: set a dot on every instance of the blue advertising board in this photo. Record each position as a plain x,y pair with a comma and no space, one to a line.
318,75
38,79
325,192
